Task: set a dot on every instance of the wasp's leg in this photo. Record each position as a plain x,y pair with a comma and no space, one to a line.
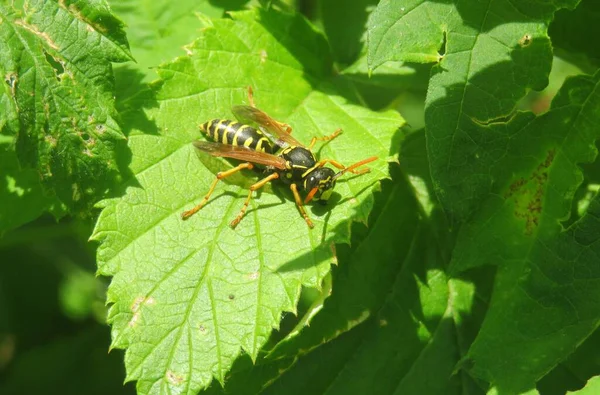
324,138
250,96
253,188
220,175
284,126
300,206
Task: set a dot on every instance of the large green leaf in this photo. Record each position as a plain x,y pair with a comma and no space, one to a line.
494,51
509,178
189,296
546,294
56,63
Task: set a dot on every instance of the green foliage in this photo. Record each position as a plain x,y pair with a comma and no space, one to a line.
59,93
471,267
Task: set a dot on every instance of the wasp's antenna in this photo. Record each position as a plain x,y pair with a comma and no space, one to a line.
354,166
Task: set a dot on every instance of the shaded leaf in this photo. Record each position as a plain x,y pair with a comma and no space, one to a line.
545,296
493,53
21,194
571,31
344,24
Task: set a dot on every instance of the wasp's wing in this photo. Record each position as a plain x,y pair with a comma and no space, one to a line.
240,153
265,123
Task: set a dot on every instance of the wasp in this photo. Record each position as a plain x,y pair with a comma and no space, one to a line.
271,146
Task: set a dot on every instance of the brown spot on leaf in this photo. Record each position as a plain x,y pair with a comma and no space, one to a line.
525,40
43,35
51,140
527,194
76,12
174,378
137,305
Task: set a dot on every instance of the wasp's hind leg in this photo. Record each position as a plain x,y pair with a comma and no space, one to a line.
253,188
324,138
221,175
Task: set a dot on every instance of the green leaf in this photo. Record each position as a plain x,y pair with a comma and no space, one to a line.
157,31
189,296
344,24
382,87
571,29
394,301
367,273
21,195
546,300
393,316
56,62
494,52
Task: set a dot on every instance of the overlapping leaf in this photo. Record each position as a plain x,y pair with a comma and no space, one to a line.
393,316
546,295
494,52
511,180
189,296
157,30
20,188
59,95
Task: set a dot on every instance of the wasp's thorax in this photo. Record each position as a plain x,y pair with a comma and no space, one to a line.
299,160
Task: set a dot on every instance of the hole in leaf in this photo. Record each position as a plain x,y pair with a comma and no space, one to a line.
442,50
56,64
11,80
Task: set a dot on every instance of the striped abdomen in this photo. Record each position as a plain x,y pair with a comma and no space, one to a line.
234,133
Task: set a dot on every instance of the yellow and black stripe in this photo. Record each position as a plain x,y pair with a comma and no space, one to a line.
229,132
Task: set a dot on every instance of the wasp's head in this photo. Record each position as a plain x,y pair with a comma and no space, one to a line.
319,183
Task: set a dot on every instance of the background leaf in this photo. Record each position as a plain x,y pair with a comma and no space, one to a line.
20,188
62,91
481,42
197,291
542,299
570,31
158,31
344,24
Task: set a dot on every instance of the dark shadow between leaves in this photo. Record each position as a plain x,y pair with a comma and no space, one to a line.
133,97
